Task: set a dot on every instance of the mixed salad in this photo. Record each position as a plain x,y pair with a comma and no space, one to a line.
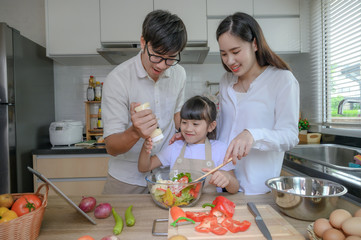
176,192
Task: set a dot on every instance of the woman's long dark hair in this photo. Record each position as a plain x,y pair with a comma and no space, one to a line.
246,27
200,108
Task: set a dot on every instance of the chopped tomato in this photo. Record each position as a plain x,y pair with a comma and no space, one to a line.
235,226
197,216
184,179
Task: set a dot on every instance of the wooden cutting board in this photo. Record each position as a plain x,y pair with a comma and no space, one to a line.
279,228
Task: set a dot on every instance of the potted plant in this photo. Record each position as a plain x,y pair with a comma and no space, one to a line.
303,126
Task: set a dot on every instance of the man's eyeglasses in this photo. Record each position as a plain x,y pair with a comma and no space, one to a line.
157,59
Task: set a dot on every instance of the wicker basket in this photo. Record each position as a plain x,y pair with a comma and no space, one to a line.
28,225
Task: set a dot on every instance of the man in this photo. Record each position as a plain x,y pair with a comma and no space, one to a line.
152,76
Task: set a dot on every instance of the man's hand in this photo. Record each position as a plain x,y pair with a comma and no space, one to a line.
176,137
144,122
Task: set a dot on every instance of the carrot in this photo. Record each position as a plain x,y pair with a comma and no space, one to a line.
176,212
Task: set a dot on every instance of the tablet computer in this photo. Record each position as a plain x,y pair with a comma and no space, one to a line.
60,193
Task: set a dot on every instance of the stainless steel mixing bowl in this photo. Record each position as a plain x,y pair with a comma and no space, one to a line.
305,198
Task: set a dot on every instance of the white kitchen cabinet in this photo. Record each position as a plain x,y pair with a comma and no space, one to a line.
212,40
220,9
193,13
121,21
276,7
72,27
282,34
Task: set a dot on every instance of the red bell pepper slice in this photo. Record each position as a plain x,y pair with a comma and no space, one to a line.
197,216
210,224
235,226
223,205
184,179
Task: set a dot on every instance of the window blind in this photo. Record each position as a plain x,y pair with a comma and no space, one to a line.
341,63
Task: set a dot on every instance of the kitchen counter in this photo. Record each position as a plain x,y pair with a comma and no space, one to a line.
70,150
61,221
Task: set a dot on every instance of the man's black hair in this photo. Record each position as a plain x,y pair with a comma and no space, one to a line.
165,32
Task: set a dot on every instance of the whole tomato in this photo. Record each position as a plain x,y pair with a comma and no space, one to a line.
26,204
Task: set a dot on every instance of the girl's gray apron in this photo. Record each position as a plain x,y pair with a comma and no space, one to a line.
183,163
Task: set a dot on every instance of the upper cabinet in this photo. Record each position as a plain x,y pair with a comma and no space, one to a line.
79,27
276,8
72,27
220,9
280,21
121,21
194,15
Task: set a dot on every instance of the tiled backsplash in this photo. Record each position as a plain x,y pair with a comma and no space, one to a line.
71,83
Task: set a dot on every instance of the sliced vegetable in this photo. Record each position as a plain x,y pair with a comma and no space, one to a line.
197,216
210,224
208,205
235,226
181,175
118,222
176,212
25,204
129,217
181,219
224,206
168,198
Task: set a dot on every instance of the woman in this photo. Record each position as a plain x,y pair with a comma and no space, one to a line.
259,103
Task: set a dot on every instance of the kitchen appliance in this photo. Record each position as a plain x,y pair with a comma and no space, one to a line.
66,132
26,107
116,54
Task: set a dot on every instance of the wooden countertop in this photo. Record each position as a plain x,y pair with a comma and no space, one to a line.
61,221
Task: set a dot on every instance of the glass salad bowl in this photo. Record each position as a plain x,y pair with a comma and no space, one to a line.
173,188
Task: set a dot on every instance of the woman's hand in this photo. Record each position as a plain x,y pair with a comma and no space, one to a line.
148,145
218,178
239,146
144,122
176,137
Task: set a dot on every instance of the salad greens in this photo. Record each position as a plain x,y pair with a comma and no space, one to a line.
180,175
169,193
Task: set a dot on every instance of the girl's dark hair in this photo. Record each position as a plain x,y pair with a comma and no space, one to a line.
200,108
246,27
165,32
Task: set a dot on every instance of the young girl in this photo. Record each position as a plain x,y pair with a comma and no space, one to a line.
196,151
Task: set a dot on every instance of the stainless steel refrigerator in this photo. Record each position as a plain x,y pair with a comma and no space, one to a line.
26,107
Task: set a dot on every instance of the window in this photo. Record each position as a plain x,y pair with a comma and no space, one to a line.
341,58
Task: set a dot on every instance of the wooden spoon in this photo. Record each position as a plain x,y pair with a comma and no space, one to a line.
213,170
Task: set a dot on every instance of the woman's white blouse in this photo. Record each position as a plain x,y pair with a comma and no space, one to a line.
269,111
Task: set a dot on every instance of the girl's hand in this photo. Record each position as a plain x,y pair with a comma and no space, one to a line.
176,137
218,178
148,145
239,146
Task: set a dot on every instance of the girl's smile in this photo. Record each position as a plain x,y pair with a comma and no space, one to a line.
194,131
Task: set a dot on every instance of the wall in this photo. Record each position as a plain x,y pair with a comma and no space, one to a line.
71,83
27,16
